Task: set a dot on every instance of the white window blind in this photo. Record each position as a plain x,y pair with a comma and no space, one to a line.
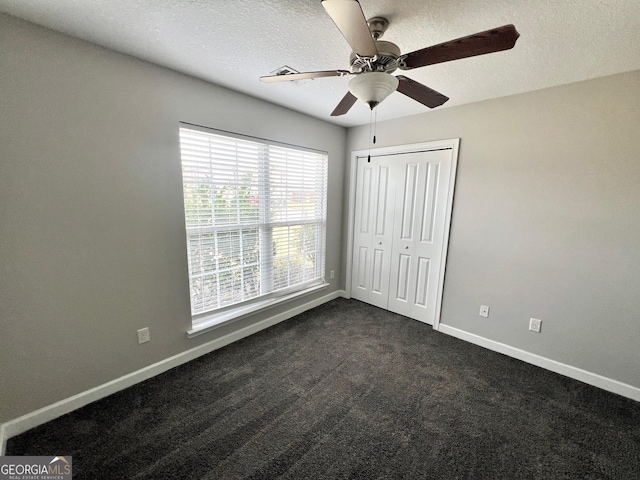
255,218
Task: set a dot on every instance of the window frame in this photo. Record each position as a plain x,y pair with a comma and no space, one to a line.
217,317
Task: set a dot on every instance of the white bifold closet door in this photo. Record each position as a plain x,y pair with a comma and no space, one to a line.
400,210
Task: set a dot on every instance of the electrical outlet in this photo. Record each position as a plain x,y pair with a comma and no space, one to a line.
484,311
332,274
535,325
143,335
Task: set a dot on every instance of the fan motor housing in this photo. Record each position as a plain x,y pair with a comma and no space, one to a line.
386,60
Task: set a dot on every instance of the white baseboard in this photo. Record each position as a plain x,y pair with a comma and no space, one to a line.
594,379
51,412
3,440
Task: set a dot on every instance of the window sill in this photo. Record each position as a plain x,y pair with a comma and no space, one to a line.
214,321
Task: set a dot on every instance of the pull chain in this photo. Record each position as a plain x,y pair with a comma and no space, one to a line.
375,125
370,122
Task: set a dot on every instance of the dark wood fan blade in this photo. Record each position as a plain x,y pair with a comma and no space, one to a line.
304,75
495,40
349,18
345,104
420,92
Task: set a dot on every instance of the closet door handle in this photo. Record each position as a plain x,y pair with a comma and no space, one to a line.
406,247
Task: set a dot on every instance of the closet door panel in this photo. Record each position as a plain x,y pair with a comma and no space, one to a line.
417,242
373,231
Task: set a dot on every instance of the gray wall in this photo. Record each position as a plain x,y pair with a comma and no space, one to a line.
92,243
546,220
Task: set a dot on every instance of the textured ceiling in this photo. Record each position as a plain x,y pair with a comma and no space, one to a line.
232,43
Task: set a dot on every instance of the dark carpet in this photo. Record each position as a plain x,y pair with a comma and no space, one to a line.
347,390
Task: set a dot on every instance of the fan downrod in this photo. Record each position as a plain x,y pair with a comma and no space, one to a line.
377,26
388,53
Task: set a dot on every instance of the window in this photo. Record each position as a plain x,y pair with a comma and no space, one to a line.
256,219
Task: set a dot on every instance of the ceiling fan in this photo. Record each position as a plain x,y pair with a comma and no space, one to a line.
373,60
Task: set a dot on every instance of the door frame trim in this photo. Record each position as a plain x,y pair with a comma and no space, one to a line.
453,144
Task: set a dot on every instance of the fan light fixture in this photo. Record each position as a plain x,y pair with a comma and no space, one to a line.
371,88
